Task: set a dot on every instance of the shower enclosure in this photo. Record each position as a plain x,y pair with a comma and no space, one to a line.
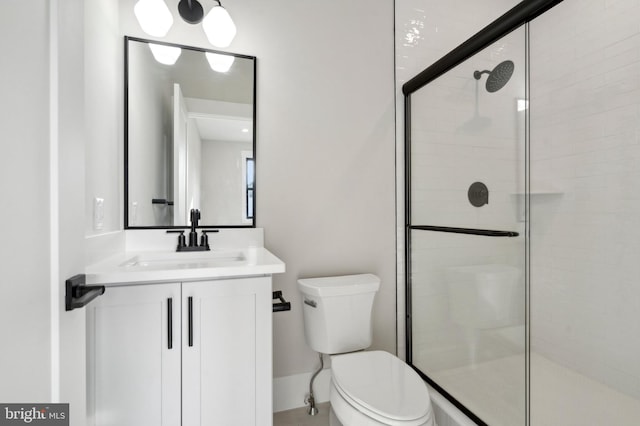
522,161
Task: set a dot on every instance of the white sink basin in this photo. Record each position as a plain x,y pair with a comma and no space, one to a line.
170,266
185,260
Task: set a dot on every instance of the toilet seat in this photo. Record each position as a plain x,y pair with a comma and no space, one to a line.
382,387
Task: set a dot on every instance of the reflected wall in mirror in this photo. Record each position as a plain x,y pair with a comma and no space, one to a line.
189,136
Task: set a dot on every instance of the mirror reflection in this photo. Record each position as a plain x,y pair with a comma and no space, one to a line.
189,136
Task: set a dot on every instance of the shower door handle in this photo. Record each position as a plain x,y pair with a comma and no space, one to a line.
468,231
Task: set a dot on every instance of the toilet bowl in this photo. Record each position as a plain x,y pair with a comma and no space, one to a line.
367,388
376,388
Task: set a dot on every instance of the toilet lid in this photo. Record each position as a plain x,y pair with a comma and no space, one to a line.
382,384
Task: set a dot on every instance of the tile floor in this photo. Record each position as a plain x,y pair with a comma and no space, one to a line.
299,417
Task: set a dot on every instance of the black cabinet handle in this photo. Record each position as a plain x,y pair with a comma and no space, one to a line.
170,322
190,307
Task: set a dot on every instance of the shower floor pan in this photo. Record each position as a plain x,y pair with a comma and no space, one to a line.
559,395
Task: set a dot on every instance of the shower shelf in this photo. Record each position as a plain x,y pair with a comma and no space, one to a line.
542,188
540,192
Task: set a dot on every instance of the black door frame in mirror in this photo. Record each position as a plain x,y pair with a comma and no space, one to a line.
126,131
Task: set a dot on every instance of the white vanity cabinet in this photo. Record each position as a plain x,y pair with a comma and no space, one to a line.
189,354
226,362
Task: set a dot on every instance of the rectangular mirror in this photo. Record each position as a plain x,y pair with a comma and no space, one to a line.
189,136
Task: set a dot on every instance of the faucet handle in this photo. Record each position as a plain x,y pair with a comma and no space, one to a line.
204,238
181,239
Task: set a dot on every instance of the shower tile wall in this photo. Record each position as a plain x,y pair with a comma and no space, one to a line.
585,133
429,29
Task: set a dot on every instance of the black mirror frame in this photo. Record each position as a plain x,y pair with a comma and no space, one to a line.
126,131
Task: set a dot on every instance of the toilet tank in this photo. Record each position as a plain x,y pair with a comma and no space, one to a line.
337,312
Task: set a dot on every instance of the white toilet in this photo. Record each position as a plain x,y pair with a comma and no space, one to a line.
367,388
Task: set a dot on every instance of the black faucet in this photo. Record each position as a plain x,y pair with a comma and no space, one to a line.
193,235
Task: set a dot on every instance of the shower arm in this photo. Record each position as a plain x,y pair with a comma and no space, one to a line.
478,74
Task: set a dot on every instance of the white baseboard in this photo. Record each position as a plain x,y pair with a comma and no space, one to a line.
289,392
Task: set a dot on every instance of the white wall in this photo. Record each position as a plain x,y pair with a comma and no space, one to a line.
585,103
325,155
104,97
25,365
42,359
325,150
68,193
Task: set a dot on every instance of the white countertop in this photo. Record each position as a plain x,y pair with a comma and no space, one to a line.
170,266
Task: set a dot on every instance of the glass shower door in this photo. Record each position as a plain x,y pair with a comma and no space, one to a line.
466,228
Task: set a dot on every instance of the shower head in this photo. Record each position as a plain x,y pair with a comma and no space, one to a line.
498,77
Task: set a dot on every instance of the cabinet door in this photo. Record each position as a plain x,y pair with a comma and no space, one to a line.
134,356
226,368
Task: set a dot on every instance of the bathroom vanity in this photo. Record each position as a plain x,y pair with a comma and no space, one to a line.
182,338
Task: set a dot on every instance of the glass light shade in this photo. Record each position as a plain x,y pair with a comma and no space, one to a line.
218,62
154,17
167,55
219,27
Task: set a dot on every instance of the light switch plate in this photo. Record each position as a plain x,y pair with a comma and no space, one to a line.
98,213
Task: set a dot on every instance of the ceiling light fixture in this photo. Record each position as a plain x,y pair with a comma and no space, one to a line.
219,27
191,11
154,17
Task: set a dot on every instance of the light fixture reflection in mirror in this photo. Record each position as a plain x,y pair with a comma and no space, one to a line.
219,62
167,55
